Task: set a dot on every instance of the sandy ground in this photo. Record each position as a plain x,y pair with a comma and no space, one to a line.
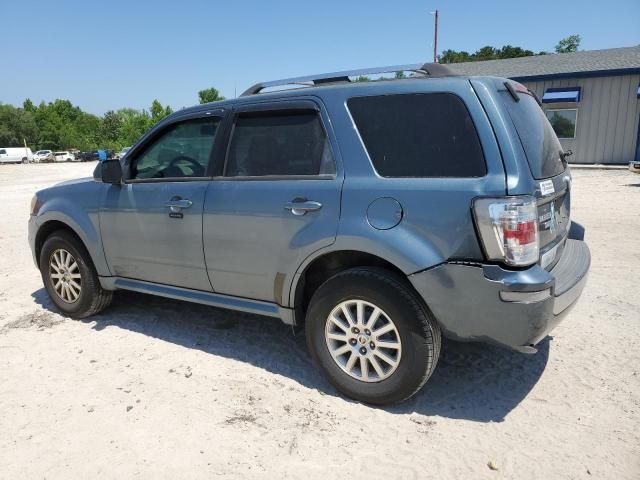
154,388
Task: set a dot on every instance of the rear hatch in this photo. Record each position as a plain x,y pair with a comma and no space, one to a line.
548,166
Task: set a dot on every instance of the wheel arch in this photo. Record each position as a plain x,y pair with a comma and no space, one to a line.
87,235
326,264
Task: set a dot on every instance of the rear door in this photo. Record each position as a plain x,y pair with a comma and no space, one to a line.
276,199
152,225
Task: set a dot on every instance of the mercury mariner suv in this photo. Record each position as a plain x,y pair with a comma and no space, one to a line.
376,215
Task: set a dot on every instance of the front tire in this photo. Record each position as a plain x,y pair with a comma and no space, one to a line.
372,336
70,278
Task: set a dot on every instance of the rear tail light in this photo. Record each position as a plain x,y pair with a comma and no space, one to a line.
508,229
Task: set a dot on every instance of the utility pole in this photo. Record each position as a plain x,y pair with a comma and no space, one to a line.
435,37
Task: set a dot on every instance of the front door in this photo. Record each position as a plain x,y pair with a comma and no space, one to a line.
152,224
277,201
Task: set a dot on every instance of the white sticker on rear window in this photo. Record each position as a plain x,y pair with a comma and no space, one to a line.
546,187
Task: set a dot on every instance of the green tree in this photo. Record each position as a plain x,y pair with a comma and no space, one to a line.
134,124
16,125
568,44
209,95
452,56
513,52
400,75
110,127
28,105
158,112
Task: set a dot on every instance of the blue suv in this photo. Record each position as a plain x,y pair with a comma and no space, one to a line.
376,215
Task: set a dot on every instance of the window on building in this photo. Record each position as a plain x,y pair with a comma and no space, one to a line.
563,122
279,143
419,135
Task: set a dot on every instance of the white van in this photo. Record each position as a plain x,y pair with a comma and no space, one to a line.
16,155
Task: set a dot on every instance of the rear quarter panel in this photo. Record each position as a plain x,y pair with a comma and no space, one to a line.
437,223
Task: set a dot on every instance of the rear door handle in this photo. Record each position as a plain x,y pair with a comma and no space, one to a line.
177,204
301,207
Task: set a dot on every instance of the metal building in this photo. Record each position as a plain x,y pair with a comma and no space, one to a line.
591,98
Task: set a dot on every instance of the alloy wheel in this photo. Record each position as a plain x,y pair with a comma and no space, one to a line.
363,340
64,273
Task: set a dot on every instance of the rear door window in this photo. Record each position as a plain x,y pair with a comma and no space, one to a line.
419,135
279,144
539,141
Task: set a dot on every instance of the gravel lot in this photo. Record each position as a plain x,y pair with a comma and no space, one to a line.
154,388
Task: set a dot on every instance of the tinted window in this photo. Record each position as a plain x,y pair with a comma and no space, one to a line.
279,144
419,135
539,141
183,151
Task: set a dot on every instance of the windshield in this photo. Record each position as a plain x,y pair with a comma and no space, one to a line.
541,145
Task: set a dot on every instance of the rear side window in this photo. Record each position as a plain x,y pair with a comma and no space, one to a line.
279,143
419,135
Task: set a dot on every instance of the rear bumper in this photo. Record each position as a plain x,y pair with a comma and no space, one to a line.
516,309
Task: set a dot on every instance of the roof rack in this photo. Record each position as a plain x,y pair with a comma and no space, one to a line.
426,69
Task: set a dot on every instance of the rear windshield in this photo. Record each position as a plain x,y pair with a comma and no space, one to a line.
541,146
419,135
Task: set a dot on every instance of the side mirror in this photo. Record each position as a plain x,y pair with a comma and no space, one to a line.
108,171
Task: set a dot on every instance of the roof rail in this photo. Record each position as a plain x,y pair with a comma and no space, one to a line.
426,69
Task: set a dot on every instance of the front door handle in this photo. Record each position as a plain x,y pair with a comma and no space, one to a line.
300,207
176,204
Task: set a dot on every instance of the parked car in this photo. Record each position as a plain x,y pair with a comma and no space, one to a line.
88,156
64,156
123,152
44,156
377,216
15,155
634,166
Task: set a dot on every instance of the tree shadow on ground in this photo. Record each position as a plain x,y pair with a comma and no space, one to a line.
476,382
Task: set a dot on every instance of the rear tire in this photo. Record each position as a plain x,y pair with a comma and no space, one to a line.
367,371
70,278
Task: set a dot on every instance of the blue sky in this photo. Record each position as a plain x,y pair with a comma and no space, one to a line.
109,54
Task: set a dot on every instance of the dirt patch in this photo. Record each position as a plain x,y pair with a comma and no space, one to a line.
38,319
155,388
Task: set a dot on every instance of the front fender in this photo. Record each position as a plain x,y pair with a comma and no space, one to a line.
82,220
